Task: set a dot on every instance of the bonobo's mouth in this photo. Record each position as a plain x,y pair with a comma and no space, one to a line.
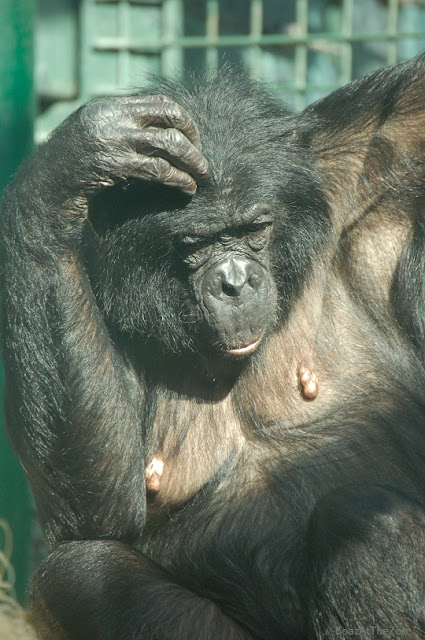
244,351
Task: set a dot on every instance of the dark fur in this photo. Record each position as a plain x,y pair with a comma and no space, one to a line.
277,517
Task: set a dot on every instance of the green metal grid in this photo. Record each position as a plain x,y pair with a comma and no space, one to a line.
118,42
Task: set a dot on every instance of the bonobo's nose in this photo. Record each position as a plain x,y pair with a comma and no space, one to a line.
234,280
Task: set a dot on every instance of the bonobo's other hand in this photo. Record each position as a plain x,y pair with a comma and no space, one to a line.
147,137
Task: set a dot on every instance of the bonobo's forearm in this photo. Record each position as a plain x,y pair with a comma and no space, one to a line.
103,589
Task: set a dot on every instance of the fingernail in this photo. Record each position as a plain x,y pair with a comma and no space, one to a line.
205,172
190,189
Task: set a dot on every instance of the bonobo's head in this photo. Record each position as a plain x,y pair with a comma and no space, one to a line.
229,272
214,273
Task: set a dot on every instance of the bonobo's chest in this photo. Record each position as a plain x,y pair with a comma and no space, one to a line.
193,437
191,441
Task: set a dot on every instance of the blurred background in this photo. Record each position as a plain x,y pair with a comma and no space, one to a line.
56,54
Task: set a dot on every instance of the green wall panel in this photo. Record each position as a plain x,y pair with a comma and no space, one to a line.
16,133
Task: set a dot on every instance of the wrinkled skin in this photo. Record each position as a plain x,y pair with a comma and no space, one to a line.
156,141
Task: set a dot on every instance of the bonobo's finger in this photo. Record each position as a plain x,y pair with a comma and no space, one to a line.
174,146
162,111
155,169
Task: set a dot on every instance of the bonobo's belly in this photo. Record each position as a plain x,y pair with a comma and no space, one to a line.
223,545
255,505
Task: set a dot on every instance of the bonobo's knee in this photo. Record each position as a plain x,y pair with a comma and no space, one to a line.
75,589
372,516
365,568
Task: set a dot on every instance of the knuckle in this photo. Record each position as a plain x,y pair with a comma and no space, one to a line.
157,168
204,167
168,173
174,138
162,171
92,110
148,137
103,113
162,98
177,114
160,102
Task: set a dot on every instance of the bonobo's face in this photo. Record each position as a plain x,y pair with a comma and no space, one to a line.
188,274
213,274
229,272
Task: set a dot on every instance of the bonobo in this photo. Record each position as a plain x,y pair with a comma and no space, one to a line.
213,333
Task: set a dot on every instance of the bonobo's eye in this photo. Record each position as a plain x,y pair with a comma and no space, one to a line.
194,252
258,234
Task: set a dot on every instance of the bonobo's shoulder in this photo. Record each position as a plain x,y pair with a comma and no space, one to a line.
414,65
385,88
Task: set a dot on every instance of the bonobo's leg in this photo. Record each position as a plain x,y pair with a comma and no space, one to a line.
104,590
366,566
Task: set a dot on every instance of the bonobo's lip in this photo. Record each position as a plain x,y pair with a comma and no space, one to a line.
244,351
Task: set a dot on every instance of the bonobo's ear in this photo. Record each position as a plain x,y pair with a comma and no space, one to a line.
369,140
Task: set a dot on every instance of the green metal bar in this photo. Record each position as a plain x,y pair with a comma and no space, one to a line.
346,30
56,43
301,53
86,46
277,86
269,40
212,33
393,7
172,29
286,87
16,133
139,2
256,31
124,54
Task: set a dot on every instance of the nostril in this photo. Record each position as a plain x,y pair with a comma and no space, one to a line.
230,290
254,281
234,281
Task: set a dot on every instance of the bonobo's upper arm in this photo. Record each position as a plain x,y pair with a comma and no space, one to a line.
369,137
369,142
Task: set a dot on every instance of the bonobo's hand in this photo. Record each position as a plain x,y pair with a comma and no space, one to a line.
146,137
